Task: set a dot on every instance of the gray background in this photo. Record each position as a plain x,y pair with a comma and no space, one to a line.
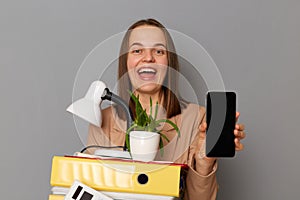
255,44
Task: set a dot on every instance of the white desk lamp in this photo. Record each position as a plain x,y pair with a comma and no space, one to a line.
88,108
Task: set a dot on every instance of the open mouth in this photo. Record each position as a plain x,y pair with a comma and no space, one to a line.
147,73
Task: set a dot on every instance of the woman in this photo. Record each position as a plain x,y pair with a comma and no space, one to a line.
148,66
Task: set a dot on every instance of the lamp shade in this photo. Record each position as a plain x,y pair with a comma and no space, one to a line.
88,108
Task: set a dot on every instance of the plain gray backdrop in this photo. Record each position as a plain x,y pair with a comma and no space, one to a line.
255,44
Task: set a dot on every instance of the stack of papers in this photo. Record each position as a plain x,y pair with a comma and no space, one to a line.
62,191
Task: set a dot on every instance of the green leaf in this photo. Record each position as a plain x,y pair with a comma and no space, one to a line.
150,115
127,142
139,128
156,110
153,125
165,137
171,123
161,147
145,122
151,118
142,118
141,114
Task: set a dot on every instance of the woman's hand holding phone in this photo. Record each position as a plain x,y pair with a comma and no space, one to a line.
204,165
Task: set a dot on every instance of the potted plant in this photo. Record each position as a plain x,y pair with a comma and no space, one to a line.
143,137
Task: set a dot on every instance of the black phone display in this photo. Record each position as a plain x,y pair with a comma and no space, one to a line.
220,118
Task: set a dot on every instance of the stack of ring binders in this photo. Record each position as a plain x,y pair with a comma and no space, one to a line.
117,178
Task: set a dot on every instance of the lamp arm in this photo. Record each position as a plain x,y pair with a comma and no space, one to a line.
108,95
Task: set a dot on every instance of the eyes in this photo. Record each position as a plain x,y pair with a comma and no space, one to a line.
154,51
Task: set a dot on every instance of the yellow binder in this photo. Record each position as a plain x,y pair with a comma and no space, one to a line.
117,175
56,197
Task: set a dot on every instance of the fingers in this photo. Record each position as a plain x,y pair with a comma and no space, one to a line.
202,133
203,127
238,146
239,134
237,115
240,127
239,131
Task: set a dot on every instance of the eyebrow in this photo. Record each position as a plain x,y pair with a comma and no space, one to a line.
155,45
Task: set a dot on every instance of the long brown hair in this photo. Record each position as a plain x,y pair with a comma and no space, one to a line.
171,102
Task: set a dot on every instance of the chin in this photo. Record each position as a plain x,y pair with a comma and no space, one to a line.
149,88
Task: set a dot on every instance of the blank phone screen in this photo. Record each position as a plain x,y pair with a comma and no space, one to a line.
220,118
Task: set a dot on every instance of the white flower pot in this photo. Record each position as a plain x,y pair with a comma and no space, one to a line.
144,145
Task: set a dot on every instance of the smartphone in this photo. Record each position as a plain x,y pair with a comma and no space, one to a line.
220,118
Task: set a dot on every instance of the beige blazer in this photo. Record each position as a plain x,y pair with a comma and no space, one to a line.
179,150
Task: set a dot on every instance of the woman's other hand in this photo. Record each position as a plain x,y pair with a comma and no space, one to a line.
239,133
204,164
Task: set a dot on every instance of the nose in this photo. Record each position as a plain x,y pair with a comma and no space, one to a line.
148,57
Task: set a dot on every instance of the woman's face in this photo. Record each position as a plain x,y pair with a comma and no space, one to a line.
147,59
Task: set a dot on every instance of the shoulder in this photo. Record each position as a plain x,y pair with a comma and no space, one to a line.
108,121
107,115
108,111
105,118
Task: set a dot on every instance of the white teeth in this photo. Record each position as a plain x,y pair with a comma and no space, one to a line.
146,70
